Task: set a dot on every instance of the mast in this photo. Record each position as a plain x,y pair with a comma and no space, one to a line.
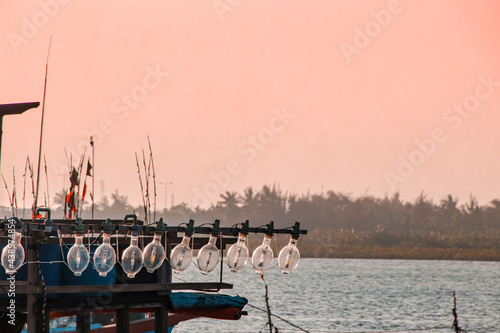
41,129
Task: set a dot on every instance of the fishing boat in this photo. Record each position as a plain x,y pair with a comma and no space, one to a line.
47,285
185,306
73,267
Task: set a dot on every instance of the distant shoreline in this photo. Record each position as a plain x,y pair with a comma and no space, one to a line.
404,253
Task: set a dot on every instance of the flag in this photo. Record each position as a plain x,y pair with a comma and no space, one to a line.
69,198
73,178
89,168
84,191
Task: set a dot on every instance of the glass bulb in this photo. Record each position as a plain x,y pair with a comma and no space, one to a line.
208,257
154,254
262,257
237,256
181,255
104,256
289,256
13,253
132,258
78,256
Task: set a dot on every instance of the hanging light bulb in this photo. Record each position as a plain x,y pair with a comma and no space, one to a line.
237,256
105,256
78,256
132,256
13,253
262,257
208,256
289,256
154,253
182,254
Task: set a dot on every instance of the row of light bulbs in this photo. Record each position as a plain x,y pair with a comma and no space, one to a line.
133,258
238,254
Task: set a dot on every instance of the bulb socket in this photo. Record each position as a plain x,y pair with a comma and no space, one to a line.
79,227
160,227
189,230
245,228
215,230
270,229
296,230
108,227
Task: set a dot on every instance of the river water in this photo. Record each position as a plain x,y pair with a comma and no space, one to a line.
357,295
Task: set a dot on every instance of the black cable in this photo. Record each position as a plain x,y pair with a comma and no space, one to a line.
286,321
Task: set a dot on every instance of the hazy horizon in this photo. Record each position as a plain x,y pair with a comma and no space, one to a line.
360,98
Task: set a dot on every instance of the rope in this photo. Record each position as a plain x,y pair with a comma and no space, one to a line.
283,319
395,331
44,303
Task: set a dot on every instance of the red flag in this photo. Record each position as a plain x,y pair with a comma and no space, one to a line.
68,198
84,191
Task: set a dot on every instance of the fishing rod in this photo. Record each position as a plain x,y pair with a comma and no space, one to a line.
41,128
47,180
142,189
14,191
24,185
8,194
146,176
154,178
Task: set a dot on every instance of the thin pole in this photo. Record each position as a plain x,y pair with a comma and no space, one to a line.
24,186
93,174
1,134
142,190
154,179
47,180
268,309
41,127
166,197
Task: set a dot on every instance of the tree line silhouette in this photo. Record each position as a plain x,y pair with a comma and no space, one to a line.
335,220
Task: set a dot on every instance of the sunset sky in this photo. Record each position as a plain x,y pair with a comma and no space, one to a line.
361,97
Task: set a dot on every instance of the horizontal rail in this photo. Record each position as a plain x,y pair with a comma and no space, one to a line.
119,288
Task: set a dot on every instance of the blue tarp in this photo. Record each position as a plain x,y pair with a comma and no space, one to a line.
185,300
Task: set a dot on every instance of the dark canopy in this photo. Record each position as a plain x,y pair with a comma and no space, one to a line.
16,108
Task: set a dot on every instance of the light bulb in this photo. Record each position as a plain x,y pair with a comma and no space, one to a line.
263,256
13,253
289,256
104,256
237,256
208,257
154,254
181,255
78,256
132,258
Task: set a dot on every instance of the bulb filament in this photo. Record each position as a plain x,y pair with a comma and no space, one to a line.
208,259
181,258
288,257
262,258
153,255
78,258
132,260
104,258
237,258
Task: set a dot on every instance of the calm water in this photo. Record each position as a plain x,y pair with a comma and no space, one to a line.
353,295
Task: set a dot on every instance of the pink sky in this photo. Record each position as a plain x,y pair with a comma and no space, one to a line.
248,93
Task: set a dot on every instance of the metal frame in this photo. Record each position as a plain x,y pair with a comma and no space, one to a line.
36,232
